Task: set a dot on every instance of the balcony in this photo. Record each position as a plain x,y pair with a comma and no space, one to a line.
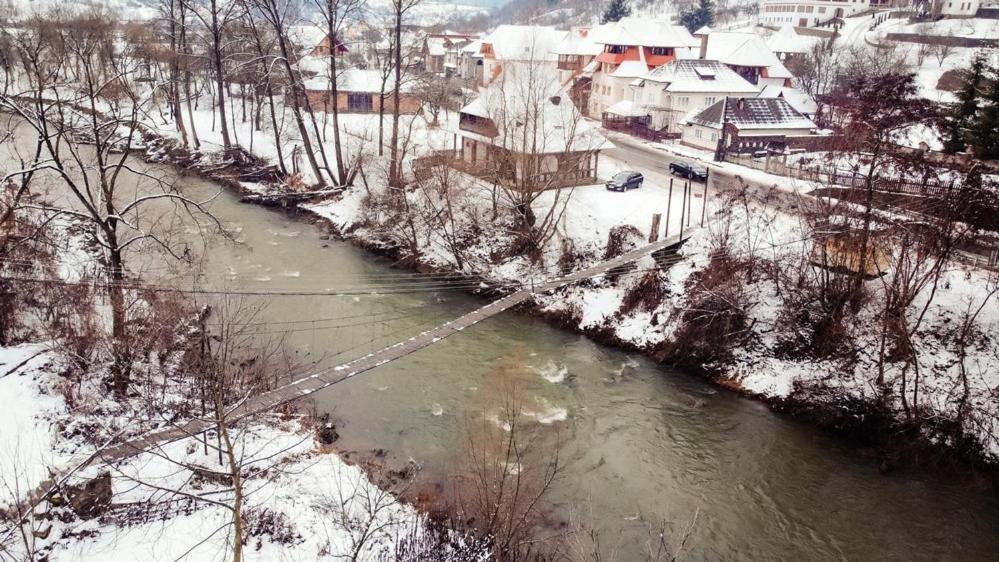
477,125
570,62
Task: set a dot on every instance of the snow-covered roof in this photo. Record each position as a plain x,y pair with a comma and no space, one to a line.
630,69
578,42
626,108
306,36
532,112
787,40
524,42
799,99
356,80
644,32
753,113
472,48
699,76
743,49
704,30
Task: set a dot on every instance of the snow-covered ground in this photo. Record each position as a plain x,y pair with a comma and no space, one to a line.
301,500
935,62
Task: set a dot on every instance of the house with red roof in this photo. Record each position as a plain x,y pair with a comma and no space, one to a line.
630,48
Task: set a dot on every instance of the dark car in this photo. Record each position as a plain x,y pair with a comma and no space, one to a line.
625,180
689,171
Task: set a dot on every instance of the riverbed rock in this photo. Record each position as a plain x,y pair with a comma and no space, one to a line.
92,498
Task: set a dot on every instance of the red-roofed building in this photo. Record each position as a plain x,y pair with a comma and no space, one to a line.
631,48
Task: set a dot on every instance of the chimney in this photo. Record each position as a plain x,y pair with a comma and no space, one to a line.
704,46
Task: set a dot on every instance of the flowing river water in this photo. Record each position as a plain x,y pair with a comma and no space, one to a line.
640,442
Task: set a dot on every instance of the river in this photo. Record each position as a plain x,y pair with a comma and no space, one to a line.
639,443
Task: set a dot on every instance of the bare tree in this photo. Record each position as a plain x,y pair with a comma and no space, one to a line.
400,10
277,14
542,148
335,14
217,17
86,139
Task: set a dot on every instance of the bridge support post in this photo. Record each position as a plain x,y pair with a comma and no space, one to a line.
654,231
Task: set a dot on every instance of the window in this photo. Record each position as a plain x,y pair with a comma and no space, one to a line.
822,9
615,49
359,103
662,51
709,100
714,137
683,101
697,132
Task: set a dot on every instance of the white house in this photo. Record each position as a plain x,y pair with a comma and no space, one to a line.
749,124
511,44
631,48
576,62
523,130
809,13
470,62
748,55
959,8
677,88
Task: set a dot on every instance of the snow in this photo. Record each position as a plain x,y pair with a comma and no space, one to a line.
700,76
27,442
647,32
524,42
787,40
744,49
326,505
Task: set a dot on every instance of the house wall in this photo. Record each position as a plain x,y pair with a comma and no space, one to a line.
608,90
959,8
700,136
808,13
667,108
319,101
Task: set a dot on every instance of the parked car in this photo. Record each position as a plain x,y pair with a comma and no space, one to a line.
688,170
625,180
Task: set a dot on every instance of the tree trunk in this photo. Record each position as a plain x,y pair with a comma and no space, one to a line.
219,76
335,113
395,176
178,115
297,96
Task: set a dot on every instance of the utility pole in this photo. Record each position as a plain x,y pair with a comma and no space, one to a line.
720,148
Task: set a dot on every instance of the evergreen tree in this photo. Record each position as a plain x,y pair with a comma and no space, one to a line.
966,109
703,14
984,133
616,10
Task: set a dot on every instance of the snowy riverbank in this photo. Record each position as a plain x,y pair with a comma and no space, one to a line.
956,380
300,498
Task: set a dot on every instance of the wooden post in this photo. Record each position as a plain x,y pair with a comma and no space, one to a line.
669,206
683,207
704,200
654,232
690,196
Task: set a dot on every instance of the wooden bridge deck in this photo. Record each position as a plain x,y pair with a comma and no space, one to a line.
327,377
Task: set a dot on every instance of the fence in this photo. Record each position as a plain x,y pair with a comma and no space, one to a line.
926,187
